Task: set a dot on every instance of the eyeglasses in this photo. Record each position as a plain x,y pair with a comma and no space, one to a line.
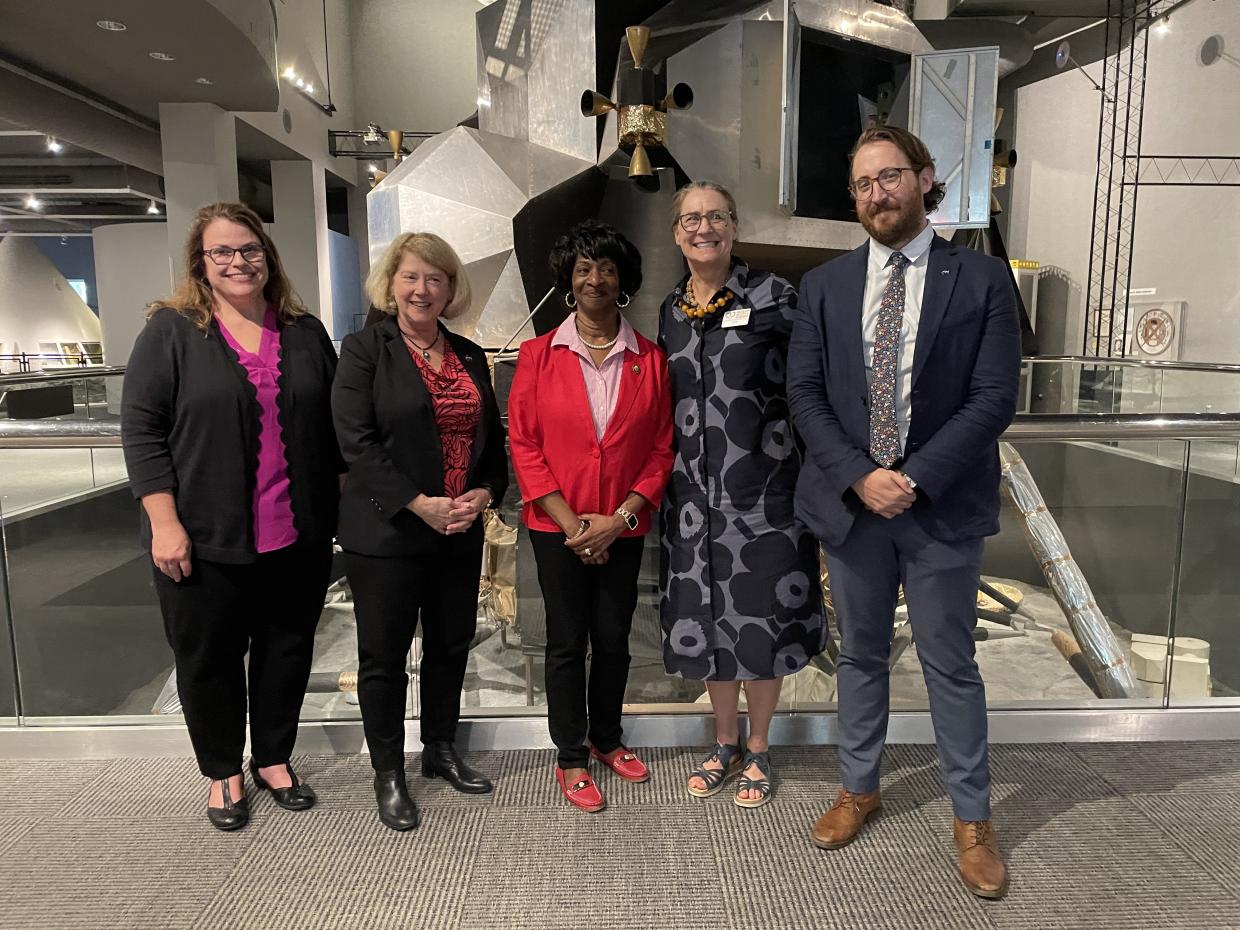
888,179
717,219
223,255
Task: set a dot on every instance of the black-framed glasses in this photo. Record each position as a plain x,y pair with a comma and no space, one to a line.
690,222
888,179
223,255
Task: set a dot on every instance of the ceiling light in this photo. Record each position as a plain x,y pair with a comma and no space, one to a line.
54,146
372,168
301,83
206,81
372,134
33,202
290,73
153,208
161,56
111,25
309,88
1164,26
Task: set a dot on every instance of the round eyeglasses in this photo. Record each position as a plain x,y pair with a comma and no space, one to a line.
691,222
223,255
888,179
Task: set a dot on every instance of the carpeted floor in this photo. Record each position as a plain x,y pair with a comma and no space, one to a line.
1108,837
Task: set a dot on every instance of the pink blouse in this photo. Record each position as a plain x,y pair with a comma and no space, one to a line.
273,508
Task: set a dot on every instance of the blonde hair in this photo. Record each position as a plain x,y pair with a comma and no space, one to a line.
434,251
193,297
679,199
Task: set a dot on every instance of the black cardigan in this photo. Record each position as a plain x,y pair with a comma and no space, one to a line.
385,423
190,425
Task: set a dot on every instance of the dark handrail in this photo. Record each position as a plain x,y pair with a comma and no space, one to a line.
56,374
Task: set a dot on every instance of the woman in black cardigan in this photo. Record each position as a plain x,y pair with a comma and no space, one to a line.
228,439
420,428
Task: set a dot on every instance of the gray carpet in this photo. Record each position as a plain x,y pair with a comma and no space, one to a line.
1109,837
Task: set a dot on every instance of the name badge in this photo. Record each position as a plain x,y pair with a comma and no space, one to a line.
736,317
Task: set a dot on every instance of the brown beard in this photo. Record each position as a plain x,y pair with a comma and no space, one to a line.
907,224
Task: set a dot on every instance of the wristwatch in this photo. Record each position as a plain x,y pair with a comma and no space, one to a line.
630,520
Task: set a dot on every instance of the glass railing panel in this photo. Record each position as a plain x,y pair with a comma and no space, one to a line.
1203,659
8,668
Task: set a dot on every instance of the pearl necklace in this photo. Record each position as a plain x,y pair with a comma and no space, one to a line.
590,345
689,305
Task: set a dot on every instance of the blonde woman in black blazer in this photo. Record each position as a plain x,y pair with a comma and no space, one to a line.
420,429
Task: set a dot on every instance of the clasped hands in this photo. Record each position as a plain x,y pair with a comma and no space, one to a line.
591,543
450,515
885,492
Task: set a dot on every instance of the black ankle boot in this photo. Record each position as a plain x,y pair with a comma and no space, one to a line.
396,808
443,760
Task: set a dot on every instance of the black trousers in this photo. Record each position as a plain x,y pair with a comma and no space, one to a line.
269,607
389,597
588,606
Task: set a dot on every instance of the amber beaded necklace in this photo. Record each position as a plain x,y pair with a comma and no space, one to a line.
689,305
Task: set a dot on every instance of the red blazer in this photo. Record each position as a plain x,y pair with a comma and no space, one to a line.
552,439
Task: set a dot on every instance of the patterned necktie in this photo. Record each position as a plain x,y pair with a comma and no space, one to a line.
884,431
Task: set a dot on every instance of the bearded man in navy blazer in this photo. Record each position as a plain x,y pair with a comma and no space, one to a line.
902,375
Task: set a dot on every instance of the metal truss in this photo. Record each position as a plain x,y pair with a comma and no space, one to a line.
1189,171
1119,166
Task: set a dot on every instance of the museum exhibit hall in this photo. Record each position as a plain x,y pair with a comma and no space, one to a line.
627,445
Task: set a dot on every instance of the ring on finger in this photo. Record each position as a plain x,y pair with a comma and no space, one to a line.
587,551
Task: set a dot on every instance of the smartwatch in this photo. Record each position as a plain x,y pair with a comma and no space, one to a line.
630,520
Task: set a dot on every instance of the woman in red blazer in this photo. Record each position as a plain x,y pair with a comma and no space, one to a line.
590,429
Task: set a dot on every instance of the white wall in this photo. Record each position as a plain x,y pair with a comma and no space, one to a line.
132,269
36,302
1187,240
414,62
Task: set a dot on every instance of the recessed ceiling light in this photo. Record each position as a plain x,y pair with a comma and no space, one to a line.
309,88
111,25
33,202
54,146
203,81
161,56
290,73
153,208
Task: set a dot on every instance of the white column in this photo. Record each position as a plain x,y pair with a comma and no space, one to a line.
200,165
299,199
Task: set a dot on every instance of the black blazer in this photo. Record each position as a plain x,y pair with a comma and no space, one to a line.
190,425
966,367
386,426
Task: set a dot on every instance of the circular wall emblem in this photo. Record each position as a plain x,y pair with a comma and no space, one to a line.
1155,331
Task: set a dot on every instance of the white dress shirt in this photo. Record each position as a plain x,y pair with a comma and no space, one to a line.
877,274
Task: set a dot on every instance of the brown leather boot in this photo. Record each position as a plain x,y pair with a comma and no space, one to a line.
842,822
981,865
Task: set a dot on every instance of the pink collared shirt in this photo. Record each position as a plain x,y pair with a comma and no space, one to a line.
273,508
602,382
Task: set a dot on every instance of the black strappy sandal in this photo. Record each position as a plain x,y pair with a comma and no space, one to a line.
762,785
729,757
233,815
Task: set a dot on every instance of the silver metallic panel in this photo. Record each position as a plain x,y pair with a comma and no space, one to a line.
506,309
871,23
474,233
953,111
563,66
706,140
483,275
460,169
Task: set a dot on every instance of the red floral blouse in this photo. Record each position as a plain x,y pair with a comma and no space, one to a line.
458,407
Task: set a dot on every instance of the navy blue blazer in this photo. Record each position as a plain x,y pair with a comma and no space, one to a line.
966,367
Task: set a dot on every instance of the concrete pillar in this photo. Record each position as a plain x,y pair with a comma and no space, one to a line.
299,198
132,269
200,165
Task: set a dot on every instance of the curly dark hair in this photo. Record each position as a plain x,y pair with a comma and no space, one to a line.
914,150
594,240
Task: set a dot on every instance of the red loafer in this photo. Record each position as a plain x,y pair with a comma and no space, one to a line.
624,763
583,793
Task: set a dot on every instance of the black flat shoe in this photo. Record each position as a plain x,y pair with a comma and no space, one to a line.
442,759
300,797
396,808
233,815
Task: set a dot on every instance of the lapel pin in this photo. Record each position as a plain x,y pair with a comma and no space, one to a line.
945,271
637,369
469,358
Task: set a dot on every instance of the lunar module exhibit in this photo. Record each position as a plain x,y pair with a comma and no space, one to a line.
594,109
